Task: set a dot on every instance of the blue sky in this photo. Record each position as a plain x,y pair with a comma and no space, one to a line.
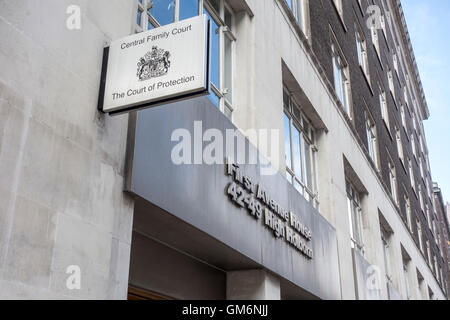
429,28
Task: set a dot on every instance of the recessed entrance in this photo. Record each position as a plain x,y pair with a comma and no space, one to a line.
163,270
137,294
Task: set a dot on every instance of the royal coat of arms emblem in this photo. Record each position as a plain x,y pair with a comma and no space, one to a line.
154,64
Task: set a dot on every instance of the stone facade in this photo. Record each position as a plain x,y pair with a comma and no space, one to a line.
62,162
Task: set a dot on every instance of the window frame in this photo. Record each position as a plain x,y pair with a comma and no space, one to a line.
354,207
382,99
398,139
226,104
429,217
299,124
403,116
421,200
372,138
429,252
406,278
147,19
300,10
395,63
411,175
376,41
393,180
340,63
408,212
340,9
420,235
421,169
361,49
413,145
387,255
390,76
436,267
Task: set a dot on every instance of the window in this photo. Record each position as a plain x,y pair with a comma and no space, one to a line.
433,224
405,96
300,150
403,114
393,181
155,13
398,138
391,83
438,239
290,4
420,286
429,253
431,293
299,9
413,145
375,40
188,8
408,213
420,235
372,141
355,217
436,233
341,79
429,218
430,195
302,16
422,145
411,175
395,61
222,48
406,278
139,17
383,25
422,206
361,47
361,4
338,5
436,267
385,239
421,167
383,104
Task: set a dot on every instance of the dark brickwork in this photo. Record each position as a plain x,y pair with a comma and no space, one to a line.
324,20
444,233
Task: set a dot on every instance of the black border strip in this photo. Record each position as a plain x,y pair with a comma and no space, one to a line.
101,94
208,53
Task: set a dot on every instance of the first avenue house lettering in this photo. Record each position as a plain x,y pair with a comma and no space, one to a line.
245,193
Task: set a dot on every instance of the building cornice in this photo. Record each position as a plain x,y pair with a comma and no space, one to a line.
399,14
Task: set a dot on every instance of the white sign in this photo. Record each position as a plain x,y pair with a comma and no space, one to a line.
158,66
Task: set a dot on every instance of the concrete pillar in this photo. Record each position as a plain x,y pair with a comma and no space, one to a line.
252,285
